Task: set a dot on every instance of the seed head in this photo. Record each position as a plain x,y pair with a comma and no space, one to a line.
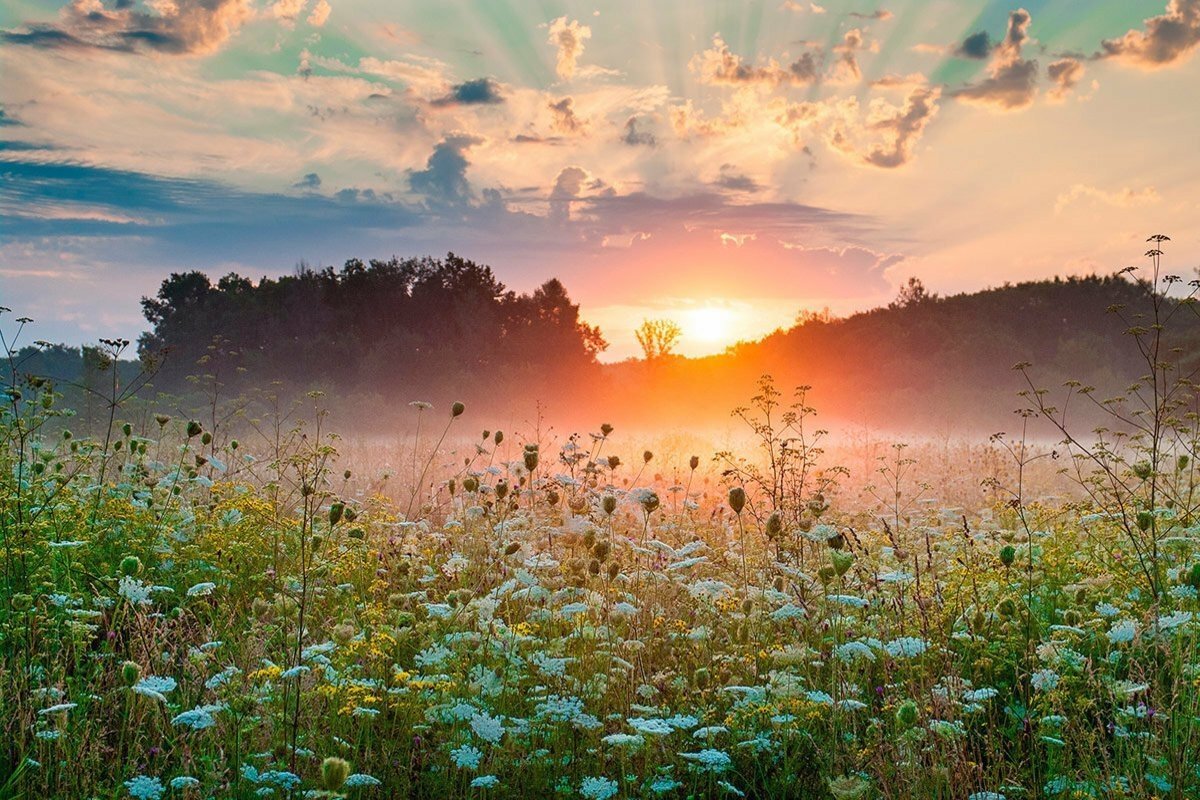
737,499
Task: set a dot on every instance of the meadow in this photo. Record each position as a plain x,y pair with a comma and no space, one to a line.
195,607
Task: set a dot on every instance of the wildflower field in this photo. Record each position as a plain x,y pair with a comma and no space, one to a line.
190,614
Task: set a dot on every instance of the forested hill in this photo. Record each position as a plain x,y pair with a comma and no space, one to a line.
375,336
936,363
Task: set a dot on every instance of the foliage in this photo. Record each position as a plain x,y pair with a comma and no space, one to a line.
384,324
657,337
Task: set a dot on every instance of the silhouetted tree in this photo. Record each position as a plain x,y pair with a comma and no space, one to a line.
657,337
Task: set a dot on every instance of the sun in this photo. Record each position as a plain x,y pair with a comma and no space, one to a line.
707,324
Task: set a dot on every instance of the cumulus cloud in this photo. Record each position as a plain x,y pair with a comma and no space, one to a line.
564,118
1012,80
443,182
1064,74
1167,39
977,45
182,27
288,10
1126,197
481,91
902,128
320,14
568,37
719,65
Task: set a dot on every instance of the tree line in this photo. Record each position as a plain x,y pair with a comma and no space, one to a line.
427,325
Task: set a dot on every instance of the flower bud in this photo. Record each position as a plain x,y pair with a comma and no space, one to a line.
457,409
130,672
694,462
737,499
609,504
334,772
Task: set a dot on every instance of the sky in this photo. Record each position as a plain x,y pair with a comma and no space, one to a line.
725,165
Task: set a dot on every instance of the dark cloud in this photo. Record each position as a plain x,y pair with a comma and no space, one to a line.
633,135
1012,80
310,182
481,91
185,27
880,14
564,119
977,46
1166,40
531,138
729,178
443,182
806,68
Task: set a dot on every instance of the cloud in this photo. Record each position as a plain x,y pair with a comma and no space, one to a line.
903,128
721,66
564,119
288,10
1064,73
443,182
977,46
633,135
181,27
1167,39
310,182
568,37
1125,197
567,187
1012,80
793,5
481,91
880,14
320,14
900,81
845,69
729,178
